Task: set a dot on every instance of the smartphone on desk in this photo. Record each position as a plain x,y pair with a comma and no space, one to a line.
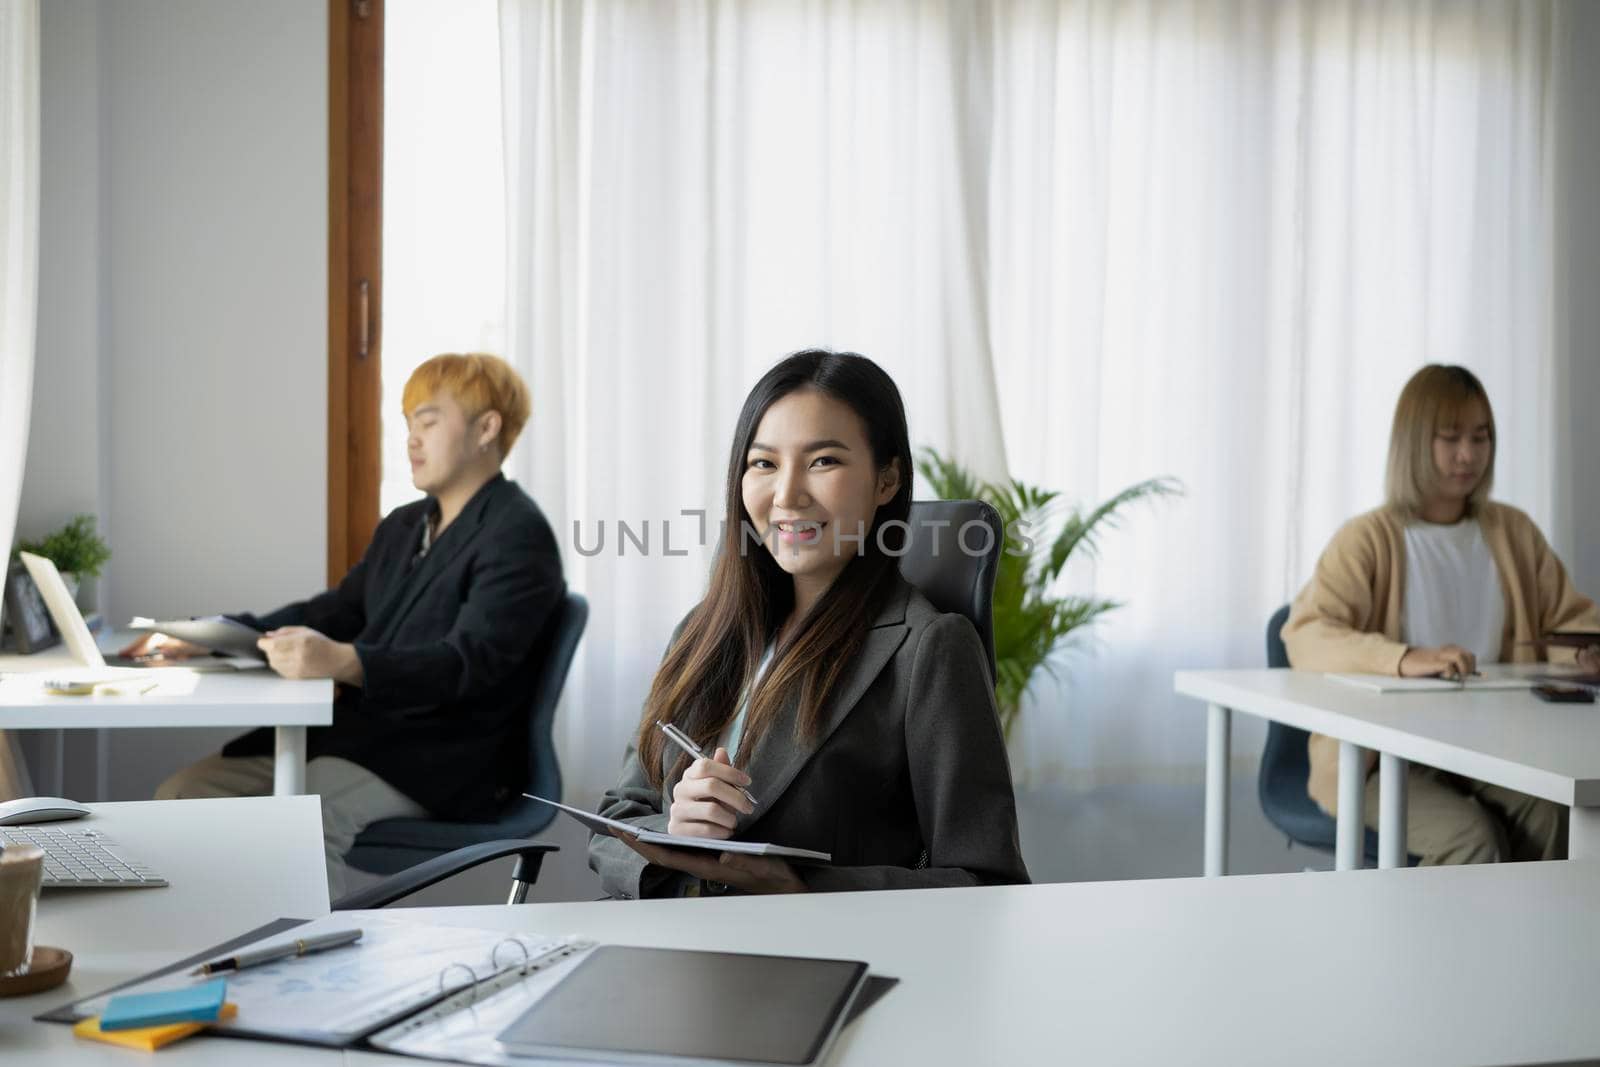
1564,694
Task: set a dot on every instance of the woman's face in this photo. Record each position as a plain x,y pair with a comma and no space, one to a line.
811,486
1461,453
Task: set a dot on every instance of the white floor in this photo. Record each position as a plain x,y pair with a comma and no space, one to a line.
1113,833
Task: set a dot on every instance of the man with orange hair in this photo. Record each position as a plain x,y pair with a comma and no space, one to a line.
434,637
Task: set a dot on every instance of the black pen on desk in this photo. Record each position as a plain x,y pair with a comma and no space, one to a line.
300,947
682,740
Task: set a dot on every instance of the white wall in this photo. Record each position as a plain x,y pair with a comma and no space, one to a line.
181,390
215,135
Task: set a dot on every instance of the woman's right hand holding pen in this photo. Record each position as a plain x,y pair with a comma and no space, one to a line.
707,801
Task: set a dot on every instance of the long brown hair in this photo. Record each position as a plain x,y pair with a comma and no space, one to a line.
703,678
1433,400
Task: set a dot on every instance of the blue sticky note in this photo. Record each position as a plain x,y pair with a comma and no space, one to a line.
196,1004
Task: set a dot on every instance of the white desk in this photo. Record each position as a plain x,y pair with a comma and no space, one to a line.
233,864
1507,737
244,699
1251,970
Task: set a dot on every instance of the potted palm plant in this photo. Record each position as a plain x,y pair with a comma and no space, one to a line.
1031,623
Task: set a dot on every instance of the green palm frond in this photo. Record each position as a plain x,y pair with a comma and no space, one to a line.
1031,626
1082,531
948,479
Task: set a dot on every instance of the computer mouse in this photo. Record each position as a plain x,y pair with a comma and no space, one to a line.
40,809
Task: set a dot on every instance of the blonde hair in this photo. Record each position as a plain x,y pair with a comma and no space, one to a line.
480,383
1432,401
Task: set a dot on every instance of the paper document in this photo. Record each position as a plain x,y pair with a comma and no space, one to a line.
612,827
333,997
1384,683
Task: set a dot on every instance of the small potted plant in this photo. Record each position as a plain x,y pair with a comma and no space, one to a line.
76,549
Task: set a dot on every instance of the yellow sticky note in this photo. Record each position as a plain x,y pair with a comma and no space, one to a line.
148,1038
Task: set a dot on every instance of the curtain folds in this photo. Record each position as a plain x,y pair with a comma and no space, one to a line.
1093,242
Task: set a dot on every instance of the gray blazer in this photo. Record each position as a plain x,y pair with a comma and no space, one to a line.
909,757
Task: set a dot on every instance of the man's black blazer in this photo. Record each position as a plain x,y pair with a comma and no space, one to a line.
450,646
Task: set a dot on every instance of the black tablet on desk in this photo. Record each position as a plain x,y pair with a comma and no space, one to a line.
671,1005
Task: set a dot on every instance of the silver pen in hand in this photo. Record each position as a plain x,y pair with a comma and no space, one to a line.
284,950
681,739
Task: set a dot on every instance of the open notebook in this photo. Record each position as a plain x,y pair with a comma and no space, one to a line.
1384,683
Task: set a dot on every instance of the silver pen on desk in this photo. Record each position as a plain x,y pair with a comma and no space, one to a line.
299,947
681,739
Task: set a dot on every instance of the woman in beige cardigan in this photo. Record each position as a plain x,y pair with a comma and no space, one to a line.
1436,581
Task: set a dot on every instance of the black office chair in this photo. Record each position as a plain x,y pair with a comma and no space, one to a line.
419,852
954,566
946,565
1285,764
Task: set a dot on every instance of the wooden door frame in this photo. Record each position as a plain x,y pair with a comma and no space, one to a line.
355,277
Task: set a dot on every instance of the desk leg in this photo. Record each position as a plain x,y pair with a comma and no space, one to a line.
1391,811
1218,742
1351,829
289,762
1583,834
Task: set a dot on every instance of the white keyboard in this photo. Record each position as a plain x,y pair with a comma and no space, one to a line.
81,858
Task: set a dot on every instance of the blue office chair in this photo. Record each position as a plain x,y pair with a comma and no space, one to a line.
1285,764
419,852
954,580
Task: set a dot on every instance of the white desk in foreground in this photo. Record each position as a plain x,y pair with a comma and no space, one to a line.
244,699
1507,737
1454,965
233,865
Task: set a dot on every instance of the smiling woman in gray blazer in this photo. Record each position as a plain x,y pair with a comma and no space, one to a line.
859,717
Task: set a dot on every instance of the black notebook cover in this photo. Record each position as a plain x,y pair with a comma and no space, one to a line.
672,1003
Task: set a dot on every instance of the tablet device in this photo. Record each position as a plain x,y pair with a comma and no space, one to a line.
214,633
673,1005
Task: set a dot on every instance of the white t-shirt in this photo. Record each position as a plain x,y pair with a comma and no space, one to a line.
735,730
1453,594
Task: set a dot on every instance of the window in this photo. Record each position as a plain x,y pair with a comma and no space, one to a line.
443,202
416,244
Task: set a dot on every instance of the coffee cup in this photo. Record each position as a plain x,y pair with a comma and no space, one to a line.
21,871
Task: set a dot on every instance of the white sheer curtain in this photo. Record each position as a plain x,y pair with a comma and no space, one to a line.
697,189
1093,242
1224,234
19,282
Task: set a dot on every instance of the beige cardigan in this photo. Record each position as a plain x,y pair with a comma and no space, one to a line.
1348,616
